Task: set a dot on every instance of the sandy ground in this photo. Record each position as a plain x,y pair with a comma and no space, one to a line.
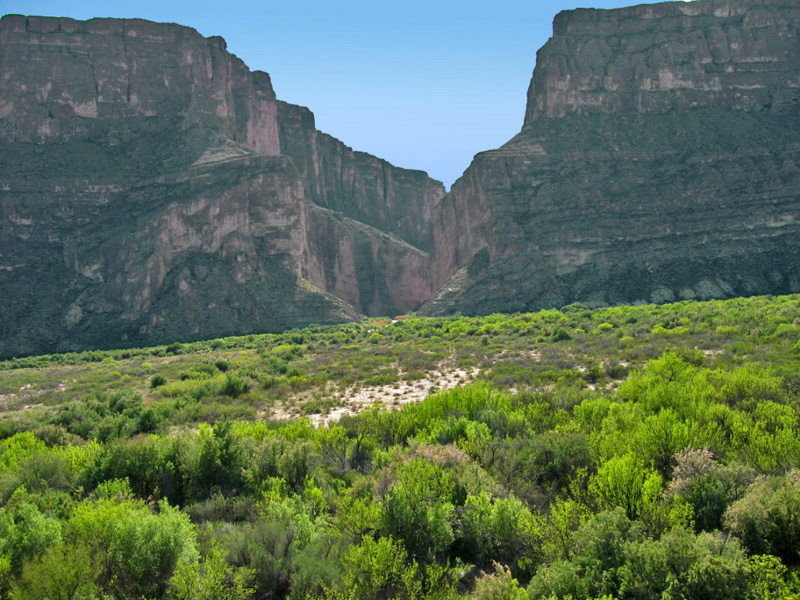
357,398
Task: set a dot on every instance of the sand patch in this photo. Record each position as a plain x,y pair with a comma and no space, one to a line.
393,396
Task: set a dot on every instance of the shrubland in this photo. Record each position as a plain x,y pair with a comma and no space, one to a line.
626,452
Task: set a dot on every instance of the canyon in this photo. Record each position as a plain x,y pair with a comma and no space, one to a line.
154,188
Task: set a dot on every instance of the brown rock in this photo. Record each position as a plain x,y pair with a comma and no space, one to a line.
151,193
656,163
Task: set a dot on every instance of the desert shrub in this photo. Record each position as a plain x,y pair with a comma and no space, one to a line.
625,482
203,371
213,578
137,549
767,518
64,571
768,577
222,508
234,386
215,461
25,531
283,548
418,509
500,585
707,486
614,557
502,530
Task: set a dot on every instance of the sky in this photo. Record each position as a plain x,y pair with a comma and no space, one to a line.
424,84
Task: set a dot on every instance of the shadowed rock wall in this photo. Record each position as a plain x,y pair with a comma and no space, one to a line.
151,192
658,161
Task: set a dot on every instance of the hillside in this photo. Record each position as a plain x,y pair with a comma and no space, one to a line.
628,452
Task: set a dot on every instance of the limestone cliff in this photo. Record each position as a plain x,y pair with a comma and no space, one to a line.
154,189
659,160
151,192
669,57
368,220
67,80
357,184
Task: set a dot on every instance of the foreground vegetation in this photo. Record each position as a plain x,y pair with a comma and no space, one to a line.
629,452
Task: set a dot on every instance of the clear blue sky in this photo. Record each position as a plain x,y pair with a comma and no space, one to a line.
424,84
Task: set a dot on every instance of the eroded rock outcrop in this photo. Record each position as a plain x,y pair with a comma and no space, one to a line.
659,160
151,192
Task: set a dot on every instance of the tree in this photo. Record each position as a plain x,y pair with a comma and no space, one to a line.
625,482
418,509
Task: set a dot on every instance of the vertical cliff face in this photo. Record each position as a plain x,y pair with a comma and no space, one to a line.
70,80
151,192
670,57
658,161
368,220
365,267
356,184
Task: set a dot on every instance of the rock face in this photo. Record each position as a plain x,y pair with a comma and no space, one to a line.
670,57
659,160
66,80
154,189
357,184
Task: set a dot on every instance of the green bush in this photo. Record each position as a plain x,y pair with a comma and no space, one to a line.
767,518
234,386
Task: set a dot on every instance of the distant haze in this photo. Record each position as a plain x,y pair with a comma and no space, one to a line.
424,84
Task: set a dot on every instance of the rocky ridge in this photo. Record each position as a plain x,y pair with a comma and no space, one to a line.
659,160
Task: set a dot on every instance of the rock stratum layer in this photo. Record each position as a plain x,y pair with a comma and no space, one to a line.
154,189
659,160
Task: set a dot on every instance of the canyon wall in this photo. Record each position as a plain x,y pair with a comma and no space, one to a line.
356,184
66,80
153,190
659,160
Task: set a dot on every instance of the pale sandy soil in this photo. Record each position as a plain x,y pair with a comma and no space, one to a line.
357,398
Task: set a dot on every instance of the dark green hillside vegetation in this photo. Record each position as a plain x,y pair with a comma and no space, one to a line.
648,452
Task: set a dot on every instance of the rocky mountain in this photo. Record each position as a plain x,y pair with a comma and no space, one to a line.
153,189
659,160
